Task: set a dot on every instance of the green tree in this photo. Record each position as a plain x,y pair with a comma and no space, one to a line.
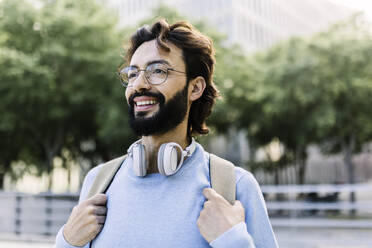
58,82
284,102
345,67
307,91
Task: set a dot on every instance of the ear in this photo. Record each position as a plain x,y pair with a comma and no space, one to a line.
196,88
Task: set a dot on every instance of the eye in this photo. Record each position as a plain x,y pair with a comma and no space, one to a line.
159,71
132,74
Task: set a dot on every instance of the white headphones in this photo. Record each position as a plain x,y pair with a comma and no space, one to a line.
167,157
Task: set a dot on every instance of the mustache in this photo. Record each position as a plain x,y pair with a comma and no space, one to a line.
159,97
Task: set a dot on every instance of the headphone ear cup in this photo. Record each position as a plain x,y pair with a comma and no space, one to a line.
139,160
168,157
160,159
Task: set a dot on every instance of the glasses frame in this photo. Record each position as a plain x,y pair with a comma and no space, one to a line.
127,84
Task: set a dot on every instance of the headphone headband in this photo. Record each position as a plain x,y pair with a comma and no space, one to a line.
190,149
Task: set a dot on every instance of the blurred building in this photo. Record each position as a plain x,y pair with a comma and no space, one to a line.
254,24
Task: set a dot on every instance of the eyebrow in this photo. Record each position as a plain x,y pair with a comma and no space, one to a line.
161,61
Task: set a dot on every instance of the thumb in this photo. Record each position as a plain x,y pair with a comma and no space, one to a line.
238,204
210,193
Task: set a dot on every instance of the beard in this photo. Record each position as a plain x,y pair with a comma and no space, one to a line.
169,115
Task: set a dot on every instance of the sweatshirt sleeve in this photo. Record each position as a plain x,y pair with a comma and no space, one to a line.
60,241
236,236
256,231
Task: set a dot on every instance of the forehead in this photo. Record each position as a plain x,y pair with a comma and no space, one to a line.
149,51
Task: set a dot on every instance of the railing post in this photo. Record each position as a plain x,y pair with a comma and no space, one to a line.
48,215
18,212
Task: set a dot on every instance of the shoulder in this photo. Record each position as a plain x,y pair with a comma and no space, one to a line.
88,181
244,177
247,188
92,174
245,180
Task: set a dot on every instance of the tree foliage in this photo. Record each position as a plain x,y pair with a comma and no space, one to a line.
311,91
58,83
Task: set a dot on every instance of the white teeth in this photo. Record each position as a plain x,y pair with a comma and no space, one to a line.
146,103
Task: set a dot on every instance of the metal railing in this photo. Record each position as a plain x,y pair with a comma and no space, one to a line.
319,205
44,214
41,214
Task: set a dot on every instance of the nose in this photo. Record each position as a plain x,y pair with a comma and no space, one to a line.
141,82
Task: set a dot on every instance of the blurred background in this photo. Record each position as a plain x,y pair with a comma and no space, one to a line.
296,83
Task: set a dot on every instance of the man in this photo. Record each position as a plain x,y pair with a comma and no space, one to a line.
170,94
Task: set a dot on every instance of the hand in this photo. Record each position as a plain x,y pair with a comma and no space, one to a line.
86,220
218,215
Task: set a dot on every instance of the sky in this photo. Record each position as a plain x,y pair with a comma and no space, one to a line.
361,5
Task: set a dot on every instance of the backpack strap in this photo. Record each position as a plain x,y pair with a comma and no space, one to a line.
222,176
105,176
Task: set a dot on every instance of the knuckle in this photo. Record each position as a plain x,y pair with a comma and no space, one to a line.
85,202
239,205
207,205
96,220
102,197
219,198
93,229
92,219
99,219
90,209
104,210
74,209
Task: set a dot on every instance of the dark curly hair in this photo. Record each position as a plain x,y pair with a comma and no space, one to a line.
198,54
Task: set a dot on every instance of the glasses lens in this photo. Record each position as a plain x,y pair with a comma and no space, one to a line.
156,73
128,75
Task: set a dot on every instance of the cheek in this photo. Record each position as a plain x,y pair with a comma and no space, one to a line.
169,92
127,94
166,92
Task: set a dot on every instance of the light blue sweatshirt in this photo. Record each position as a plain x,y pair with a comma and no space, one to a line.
159,211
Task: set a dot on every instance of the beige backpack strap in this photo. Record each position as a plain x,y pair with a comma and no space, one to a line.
105,176
223,177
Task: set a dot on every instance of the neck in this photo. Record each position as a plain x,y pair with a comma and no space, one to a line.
152,144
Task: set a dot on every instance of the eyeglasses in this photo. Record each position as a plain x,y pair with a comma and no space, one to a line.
156,73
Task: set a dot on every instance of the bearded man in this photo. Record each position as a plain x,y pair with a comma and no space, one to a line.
161,195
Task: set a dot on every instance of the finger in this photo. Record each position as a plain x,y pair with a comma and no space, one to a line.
210,193
239,207
100,210
207,204
101,219
98,200
238,204
99,228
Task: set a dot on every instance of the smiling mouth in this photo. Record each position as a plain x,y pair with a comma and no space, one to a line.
145,105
